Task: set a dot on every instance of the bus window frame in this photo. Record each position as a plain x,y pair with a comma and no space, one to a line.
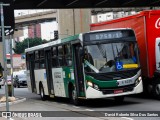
55,56
27,61
42,65
60,56
68,56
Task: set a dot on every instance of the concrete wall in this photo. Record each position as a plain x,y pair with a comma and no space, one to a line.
73,21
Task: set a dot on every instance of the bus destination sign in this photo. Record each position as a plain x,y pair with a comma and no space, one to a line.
106,35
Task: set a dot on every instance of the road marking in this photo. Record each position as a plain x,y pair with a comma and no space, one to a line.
64,104
89,110
76,107
11,119
127,118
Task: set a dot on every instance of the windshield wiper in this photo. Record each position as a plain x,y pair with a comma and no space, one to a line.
91,66
117,51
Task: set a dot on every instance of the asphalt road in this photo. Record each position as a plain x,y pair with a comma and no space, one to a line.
90,110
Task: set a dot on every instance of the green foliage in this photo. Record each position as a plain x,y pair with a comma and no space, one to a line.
21,46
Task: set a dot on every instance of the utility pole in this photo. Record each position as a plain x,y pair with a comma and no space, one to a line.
11,58
4,54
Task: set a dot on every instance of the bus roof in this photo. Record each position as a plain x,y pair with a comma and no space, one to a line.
58,41
70,38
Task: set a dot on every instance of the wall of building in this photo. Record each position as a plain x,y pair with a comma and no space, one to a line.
34,31
73,21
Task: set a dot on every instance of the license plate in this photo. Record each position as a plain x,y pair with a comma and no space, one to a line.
118,91
125,82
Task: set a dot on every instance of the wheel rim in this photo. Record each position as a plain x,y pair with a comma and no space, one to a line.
158,89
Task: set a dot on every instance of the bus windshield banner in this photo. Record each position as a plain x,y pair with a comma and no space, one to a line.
104,35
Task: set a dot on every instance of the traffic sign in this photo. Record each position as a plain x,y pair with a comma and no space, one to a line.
8,12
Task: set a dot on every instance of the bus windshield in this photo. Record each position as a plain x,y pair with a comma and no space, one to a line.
111,57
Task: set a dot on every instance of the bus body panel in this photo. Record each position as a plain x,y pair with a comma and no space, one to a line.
40,76
58,81
92,93
68,78
111,86
144,24
64,76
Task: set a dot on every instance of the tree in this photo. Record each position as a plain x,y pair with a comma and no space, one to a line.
28,42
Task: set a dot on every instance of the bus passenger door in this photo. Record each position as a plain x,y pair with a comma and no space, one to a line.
31,69
48,62
79,77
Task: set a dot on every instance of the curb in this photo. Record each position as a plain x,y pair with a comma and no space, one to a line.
20,99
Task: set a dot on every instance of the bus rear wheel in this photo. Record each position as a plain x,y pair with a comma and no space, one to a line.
42,94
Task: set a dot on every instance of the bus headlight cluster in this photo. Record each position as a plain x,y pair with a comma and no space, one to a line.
89,83
138,80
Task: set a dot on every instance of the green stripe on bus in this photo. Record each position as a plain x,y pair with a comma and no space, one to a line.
75,37
102,84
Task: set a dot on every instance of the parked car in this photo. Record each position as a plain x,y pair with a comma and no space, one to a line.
1,82
20,80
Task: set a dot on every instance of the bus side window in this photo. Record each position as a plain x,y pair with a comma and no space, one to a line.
42,65
36,60
36,64
42,61
68,55
54,57
60,55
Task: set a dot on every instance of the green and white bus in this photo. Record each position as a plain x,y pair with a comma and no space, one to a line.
97,64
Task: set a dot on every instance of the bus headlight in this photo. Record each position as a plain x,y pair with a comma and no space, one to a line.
89,83
96,87
138,80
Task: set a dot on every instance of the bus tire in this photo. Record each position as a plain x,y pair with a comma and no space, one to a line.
42,94
72,95
0,86
156,88
119,99
74,99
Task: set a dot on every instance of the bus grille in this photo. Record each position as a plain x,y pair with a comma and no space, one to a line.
114,75
111,90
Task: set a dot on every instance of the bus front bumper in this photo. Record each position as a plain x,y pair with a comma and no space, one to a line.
92,93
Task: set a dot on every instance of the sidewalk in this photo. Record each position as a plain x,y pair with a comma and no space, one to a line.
18,100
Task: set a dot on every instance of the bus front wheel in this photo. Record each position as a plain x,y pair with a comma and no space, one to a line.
74,99
42,94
